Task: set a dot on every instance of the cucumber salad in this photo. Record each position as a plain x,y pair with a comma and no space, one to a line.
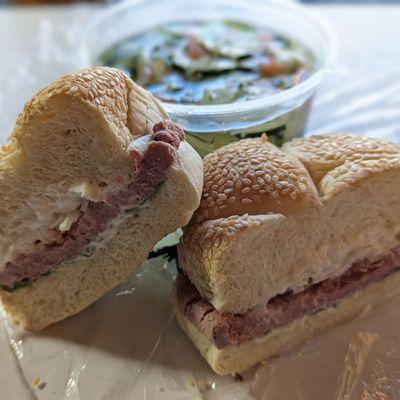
215,62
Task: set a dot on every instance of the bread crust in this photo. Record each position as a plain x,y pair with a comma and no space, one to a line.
127,106
236,359
76,131
337,163
253,176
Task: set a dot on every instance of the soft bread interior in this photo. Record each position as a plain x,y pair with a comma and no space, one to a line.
261,256
235,359
75,285
68,145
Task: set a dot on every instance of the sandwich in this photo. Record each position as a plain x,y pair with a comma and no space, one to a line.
287,243
92,177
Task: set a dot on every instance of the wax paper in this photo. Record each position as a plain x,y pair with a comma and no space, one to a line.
128,344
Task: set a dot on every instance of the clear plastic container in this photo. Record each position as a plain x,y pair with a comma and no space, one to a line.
282,116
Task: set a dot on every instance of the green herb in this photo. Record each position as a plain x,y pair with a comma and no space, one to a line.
239,25
88,251
17,285
23,282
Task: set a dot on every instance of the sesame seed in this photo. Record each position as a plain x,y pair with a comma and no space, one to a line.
268,178
245,201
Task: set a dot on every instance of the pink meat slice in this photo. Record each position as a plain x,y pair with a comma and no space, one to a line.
232,329
151,156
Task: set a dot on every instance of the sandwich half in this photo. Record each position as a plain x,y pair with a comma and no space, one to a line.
92,177
287,243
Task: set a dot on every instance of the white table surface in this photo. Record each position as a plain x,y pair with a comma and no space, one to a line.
38,44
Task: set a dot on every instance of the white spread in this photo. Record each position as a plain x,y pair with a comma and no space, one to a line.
46,218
